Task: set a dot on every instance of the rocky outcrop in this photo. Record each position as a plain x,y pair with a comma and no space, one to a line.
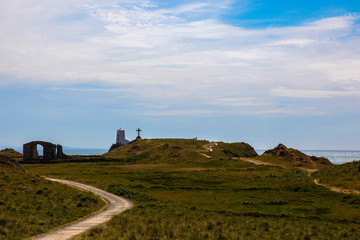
295,158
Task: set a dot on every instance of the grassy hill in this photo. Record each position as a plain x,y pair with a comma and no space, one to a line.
11,154
292,158
346,175
180,151
31,205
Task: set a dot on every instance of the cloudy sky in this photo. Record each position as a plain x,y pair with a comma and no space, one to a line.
258,71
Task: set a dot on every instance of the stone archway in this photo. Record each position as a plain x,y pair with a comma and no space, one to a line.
51,151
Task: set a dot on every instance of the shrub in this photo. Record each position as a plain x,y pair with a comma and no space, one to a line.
128,193
277,202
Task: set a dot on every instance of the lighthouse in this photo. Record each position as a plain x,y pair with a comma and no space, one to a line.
120,137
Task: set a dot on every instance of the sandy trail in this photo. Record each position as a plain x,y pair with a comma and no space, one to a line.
115,205
331,188
337,189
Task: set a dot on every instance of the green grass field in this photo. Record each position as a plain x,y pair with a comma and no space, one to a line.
345,175
31,205
189,189
214,199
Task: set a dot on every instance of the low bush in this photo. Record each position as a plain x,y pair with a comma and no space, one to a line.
129,193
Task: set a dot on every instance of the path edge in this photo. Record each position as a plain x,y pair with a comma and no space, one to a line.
104,208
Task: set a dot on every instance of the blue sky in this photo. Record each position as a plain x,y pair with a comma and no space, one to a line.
258,71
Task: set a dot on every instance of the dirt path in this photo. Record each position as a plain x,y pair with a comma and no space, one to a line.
310,171
115,205
258,162
337,189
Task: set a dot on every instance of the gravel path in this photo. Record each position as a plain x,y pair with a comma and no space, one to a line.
337,189
115,206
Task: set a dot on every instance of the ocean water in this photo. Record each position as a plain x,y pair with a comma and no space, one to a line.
74,151
335,156
85,151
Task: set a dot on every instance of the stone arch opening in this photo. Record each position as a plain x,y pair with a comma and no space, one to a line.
40,150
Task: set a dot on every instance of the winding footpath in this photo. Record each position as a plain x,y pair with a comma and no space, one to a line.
115,206
316,181
337,189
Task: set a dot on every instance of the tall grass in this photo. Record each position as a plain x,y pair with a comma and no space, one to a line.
31,205
249,201
171,221
346,175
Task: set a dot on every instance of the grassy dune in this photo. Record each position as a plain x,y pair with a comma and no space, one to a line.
10,153
220,197
293,158
346,175
31,205
180,150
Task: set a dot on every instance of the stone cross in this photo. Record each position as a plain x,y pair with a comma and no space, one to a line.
138,130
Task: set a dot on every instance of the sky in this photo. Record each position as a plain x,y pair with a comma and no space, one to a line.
258,71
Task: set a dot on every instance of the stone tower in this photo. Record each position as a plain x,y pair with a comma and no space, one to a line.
120,137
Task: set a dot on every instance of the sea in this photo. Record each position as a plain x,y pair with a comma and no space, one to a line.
86,152
72,151
335,156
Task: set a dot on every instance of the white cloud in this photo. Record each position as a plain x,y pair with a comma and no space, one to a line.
239,102
163,56
311,93
193,112
204,112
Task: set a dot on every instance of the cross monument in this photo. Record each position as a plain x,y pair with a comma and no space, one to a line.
138,130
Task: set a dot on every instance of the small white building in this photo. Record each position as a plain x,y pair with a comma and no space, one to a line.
120,137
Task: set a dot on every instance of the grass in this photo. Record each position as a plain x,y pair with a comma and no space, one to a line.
346,175
180,201
189,189
290,158
30,205
10,153
179,150
172,221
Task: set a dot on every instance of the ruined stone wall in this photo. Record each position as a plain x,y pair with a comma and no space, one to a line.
51,151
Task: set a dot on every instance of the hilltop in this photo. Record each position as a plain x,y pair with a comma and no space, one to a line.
289,157
200,151
8,159
184,150
10,153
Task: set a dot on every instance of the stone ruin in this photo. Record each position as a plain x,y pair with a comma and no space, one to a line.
51,151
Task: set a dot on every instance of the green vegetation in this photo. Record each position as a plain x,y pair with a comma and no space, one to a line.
172,221
179,150
345,175
10,153
289,157
182,194
31,205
